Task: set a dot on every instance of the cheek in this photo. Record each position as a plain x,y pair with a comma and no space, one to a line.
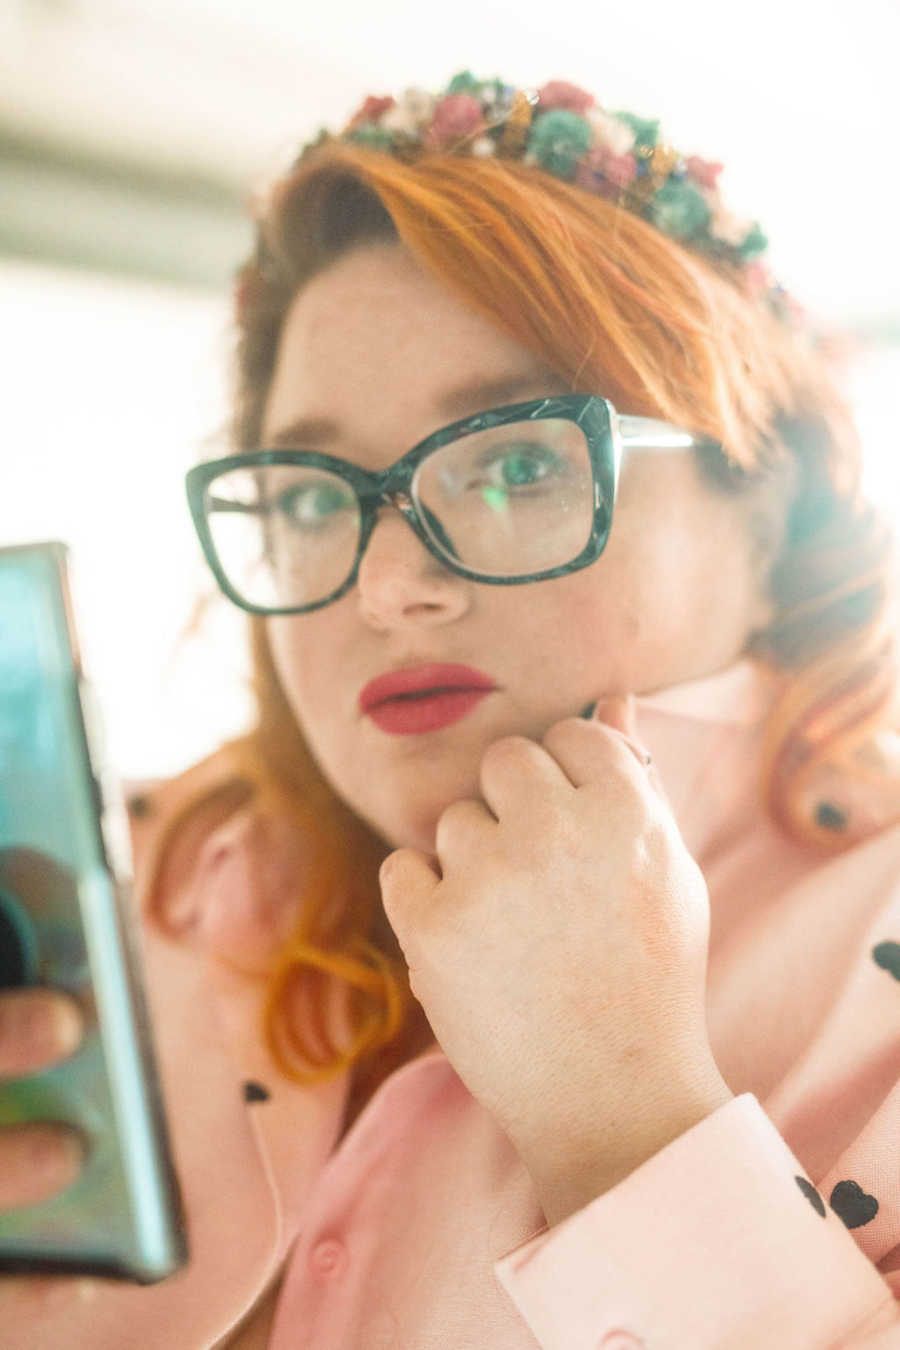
298,662
582,633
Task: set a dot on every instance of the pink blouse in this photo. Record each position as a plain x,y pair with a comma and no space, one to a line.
775,1222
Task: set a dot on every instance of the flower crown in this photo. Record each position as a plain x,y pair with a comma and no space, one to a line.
561,129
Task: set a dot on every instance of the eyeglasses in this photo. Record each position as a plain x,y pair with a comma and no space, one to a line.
518,494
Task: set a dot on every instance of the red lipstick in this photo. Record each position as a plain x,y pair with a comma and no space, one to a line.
423,698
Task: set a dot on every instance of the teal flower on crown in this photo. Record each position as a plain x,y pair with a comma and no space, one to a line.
755,244
558,140
645,132
464,83
679,210
372,137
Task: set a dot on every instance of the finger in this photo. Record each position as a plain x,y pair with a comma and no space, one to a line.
516,773
28,1297
592,752
408,879
618,713
36,1162
37,1029
463,826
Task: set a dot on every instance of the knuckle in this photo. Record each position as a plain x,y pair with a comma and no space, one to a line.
509,752
563,734
453,822
393,867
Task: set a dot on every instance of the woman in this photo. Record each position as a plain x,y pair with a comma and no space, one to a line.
571,630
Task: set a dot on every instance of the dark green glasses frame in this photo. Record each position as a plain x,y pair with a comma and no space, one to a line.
607,435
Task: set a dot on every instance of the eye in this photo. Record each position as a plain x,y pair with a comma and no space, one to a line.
522,465
315,505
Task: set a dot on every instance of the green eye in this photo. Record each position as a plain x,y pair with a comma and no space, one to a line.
315,503
521,468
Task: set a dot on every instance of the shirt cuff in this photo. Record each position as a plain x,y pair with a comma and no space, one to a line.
717,1242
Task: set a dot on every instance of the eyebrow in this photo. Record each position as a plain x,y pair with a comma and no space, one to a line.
473,397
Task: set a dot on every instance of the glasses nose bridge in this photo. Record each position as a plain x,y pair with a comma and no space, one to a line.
389,488
399,499
392,487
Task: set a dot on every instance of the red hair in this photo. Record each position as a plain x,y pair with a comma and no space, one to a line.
615,307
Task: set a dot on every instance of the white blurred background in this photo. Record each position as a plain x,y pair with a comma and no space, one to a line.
130,138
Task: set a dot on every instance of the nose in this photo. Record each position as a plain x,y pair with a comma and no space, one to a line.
401,585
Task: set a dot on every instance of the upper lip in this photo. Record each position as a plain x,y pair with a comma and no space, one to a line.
416,679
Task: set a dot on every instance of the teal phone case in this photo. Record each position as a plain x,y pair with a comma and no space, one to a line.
66,922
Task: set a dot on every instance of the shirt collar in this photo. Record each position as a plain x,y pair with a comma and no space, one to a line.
741,694
705,737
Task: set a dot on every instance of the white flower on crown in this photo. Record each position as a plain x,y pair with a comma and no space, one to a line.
609,132
725,225
412,110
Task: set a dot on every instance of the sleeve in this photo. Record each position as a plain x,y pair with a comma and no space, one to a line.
722,1242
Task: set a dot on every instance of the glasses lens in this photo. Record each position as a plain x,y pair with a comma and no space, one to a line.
285,535
511,500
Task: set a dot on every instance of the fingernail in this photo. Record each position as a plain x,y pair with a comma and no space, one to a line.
41,1025
57,1147
614,709
617,712
48,1158
67,1025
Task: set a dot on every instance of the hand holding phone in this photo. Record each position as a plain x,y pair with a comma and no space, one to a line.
38,1029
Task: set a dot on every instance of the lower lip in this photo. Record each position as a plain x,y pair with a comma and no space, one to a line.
411,717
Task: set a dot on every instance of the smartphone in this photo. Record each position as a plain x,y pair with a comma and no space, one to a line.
66,922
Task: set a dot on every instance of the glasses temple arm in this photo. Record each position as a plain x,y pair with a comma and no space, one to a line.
639,433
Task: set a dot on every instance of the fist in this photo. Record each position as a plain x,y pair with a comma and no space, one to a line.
558,945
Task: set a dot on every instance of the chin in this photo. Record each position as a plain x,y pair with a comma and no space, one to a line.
417,831
411,819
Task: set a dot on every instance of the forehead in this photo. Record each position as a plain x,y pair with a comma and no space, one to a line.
383,286
376,333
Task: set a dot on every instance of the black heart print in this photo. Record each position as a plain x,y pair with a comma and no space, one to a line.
887,955
850,1202
812,1195
255,1092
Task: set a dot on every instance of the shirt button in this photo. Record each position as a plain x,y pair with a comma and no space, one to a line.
328,1258
620,1340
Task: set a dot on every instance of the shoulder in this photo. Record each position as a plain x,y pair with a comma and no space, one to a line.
214,864
858,798
153,803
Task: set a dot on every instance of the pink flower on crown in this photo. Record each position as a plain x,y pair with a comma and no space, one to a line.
757,278
370,111
559,94
703,171
620,169
594,182
604,172
456,116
